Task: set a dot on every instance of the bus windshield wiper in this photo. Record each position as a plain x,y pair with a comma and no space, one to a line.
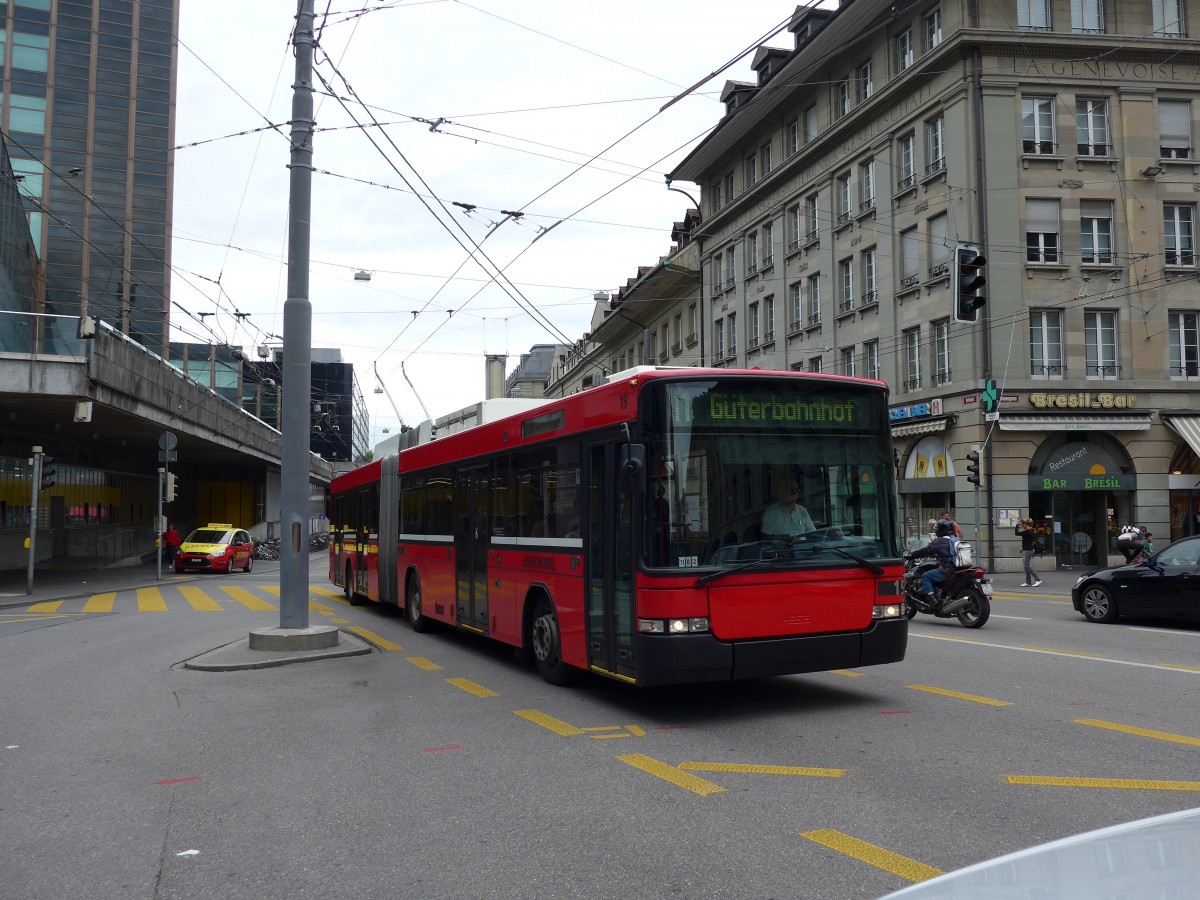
865,563
713,576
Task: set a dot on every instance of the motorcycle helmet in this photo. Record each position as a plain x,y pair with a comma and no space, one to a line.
944,528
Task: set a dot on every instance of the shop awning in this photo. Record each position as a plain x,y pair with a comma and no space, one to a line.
1188,428
923,427
1067,422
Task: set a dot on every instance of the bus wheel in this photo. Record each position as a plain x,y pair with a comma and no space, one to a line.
412,607
546,641
348,587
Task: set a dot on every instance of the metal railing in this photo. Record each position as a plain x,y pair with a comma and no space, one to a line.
111,548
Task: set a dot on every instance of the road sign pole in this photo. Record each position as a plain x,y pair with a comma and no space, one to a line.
162,479
33,506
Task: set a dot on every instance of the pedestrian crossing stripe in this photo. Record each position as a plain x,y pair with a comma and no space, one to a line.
166,597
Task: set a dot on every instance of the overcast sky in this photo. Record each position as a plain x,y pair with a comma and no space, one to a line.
531,90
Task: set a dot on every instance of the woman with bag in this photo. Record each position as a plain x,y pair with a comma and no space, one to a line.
1028,538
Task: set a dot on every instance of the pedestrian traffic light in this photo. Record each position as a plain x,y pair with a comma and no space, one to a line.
170,487
48,472
973,467
968,282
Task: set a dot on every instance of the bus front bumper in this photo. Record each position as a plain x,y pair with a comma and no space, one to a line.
683,658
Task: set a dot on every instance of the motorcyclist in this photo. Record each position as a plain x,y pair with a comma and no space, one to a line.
945,548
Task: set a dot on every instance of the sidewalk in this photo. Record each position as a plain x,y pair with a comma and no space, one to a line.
1054,581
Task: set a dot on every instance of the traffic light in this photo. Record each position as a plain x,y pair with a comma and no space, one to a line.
170,487
48,472
973,467
968,281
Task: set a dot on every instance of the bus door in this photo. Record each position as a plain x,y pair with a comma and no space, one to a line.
471,536
610,564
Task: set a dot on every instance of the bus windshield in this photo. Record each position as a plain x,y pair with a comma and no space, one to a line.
784,470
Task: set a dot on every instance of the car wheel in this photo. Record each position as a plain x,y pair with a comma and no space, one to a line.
546,642
250,564
229,566
412,607
1097,604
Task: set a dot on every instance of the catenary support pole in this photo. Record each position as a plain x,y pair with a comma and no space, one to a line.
33,517
297,342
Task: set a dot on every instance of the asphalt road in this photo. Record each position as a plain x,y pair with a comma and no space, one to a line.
440,768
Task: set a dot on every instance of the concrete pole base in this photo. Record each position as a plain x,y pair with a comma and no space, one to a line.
319,637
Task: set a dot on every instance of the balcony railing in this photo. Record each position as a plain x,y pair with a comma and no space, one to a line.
846,305
843,218
1056,370
663,357
912,384
942,377
870,297
1175,152
1039,148
814,318
795,325
752,269
768,261
769,336
1092,149
939,271
867,205
1180,258
910,281
812,237
1047,255
754,343
793,244
906,182
1097,259
1103,371
691,338
729,283
938,165
677,347
1188,370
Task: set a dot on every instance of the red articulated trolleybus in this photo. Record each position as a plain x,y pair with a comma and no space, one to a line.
668,526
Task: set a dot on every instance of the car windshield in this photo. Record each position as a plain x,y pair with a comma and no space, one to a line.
209,536
775,469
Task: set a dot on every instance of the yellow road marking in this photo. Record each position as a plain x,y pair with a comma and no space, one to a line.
381,642
974,698
1141,732
471,687
1124,784
319,607
271,589
325,592
100,603
845,673
46,606
422,663
674,775
635,731
199,599
248,600
1065,652
558,726
1185,668
151,600
24,618
337,621
954,637
762,770
908,869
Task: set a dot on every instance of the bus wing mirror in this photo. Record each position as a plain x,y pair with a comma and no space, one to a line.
633,460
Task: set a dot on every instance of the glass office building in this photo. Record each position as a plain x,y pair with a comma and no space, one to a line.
88,115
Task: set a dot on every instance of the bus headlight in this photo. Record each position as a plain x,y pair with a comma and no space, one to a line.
694,625
887,611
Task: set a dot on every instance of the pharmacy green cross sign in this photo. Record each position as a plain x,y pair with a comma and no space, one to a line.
990,397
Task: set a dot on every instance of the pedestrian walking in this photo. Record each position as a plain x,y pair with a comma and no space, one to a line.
1145,550
1029,542
170,542
954,525
1130,541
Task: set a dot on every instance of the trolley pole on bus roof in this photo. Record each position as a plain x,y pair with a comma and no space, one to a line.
293,632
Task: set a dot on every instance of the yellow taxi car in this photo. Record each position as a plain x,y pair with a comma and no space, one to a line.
217,547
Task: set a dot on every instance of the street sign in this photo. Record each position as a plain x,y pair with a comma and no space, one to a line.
167,441
992,416
168,455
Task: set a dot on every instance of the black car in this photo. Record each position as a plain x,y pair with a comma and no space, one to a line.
1166,584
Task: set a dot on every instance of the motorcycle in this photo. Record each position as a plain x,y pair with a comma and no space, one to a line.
966,594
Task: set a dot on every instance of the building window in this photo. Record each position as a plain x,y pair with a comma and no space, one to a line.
935,134
1168,18
1033,15
812,219
1185,345
1087,16
792,138
870,287
866,185
810,124
1091,127
814,364
1100,344
795,234
862,81
764,158
752,253
846,285
768,319
768,237
1037,125
30,52
908,162
677,344
754,323
814,299
933,28
910,259
1178,234
1095,230
912,359
844,199
718,273
842,99
728,188
871,359
716,197
733,334
662,354
847,361
718,340
27,115
1046,343
1175,129
904,50
751,170
730,271
796,310
1041,231
941,352
939,246
693,323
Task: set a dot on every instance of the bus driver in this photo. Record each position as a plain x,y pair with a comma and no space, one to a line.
787,517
